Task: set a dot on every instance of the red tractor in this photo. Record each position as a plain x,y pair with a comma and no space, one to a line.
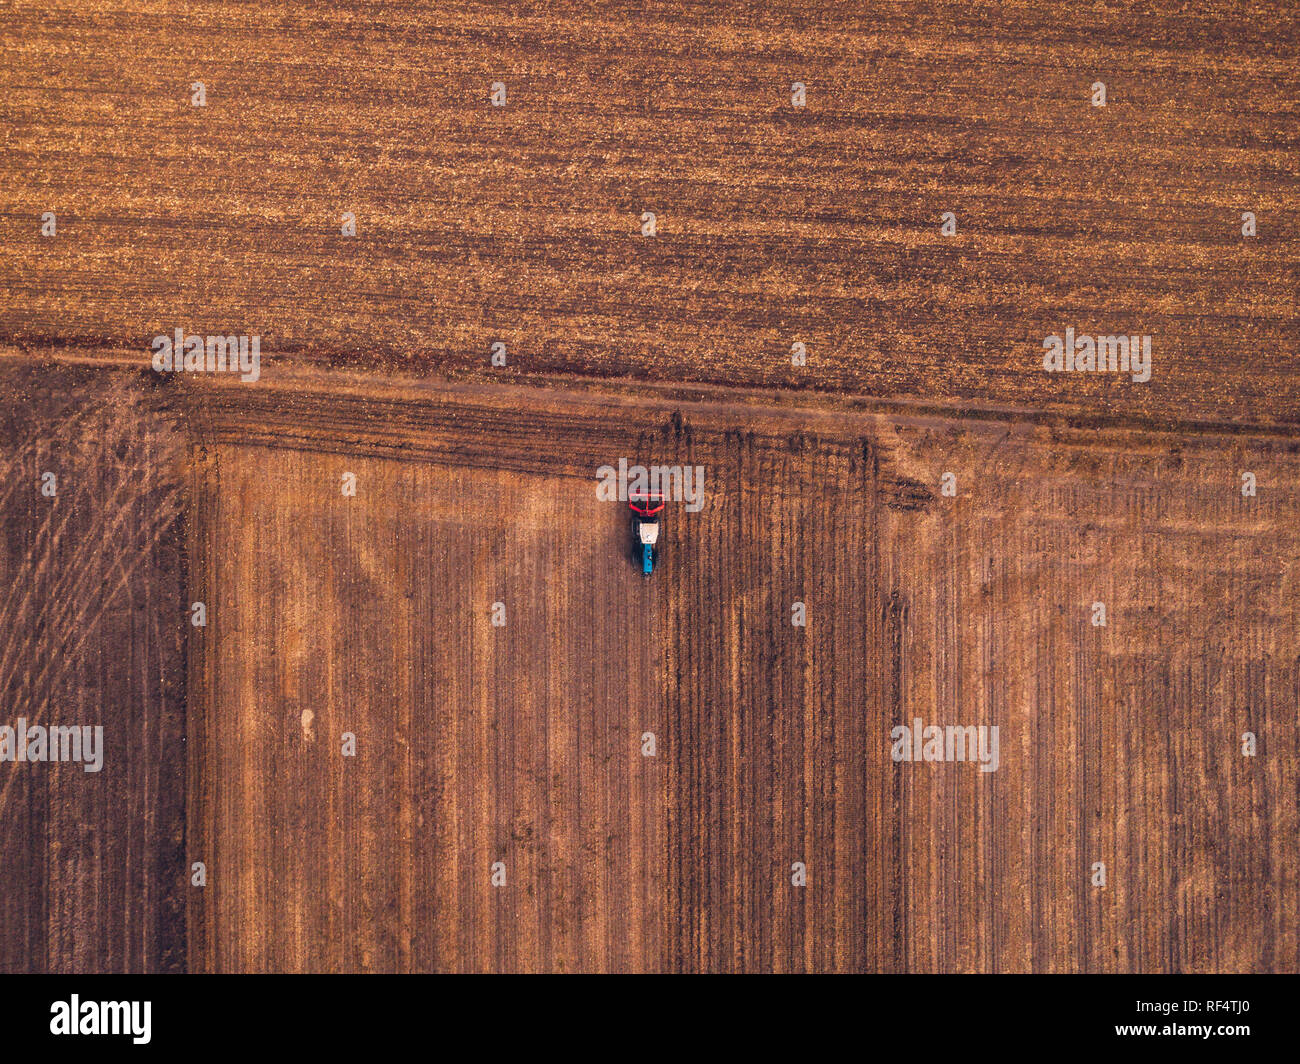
646,507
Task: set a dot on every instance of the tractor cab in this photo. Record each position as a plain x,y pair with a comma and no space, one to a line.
646,507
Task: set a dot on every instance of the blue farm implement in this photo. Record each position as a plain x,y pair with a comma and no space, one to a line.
646,507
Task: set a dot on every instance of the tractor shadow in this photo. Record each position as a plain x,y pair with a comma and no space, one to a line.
631,545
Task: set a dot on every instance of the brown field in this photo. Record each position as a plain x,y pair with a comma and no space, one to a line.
776,224
91,588
522,744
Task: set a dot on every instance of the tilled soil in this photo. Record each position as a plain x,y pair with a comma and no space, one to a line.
522,744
